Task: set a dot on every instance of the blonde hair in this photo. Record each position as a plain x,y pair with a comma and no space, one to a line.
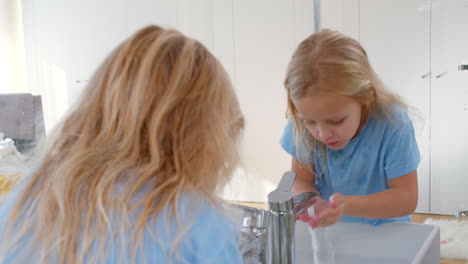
330,63
159,119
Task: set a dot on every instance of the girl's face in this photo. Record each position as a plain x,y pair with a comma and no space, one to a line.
331,119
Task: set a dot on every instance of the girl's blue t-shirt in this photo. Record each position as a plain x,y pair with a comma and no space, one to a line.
208,236
383,150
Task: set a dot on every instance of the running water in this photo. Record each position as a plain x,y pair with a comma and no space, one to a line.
322,246
322,243
330,248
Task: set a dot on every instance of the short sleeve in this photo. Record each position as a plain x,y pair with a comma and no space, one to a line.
402,154
287,140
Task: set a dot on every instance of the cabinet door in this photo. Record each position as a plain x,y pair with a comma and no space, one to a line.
449,107
341,15
266,32
396,35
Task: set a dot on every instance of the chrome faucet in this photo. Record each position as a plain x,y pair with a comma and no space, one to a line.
284,209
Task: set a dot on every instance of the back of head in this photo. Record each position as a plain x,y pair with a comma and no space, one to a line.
158,119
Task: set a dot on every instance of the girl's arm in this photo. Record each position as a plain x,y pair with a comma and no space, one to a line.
399,200
305,179
305,182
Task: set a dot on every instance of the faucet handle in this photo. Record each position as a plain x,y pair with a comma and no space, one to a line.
281,199
287,181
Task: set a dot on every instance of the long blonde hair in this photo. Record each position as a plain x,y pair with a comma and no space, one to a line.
331,63
159,119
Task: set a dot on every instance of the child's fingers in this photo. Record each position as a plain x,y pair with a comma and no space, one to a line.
328,217
332,202
313,224
325,222
336,200
321,216
326,212
304,217
330,214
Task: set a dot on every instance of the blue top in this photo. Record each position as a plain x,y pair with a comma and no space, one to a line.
211,237
382,151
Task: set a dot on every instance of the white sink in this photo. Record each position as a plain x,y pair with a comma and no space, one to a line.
343,243
350,243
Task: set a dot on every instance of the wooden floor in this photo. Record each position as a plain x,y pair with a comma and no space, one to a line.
416,218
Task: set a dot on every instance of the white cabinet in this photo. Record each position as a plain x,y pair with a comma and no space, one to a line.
396,36
449,107
406,40
266,32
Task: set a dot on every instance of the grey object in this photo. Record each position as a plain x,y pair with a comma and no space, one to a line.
22,119
253,224
440,75
425,75
463,67
317,15
284,209
268,236
461,214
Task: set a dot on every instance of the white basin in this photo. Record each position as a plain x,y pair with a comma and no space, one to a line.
350,243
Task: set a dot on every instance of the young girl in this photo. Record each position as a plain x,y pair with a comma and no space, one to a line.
131,175
350,139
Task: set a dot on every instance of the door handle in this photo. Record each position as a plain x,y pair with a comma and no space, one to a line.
463,67
425,75
440,75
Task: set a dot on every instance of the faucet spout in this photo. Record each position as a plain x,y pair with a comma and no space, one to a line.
303,201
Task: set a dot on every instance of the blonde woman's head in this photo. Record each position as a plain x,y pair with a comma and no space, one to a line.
159,119
162,100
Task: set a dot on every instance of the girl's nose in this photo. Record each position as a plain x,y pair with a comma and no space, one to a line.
324,134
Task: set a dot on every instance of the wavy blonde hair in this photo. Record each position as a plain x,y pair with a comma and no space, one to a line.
158,119
331,63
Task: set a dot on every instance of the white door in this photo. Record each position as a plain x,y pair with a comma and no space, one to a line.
449,107
266,32
395,34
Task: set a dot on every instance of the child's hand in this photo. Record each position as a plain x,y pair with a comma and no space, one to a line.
327,213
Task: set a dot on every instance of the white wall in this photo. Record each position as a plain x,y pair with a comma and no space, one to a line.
65,41
11,47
